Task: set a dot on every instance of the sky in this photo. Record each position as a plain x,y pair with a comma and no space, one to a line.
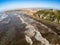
17,4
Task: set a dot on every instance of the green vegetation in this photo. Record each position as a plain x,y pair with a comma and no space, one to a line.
49,15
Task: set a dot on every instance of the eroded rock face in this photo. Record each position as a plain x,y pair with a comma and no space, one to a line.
19,29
